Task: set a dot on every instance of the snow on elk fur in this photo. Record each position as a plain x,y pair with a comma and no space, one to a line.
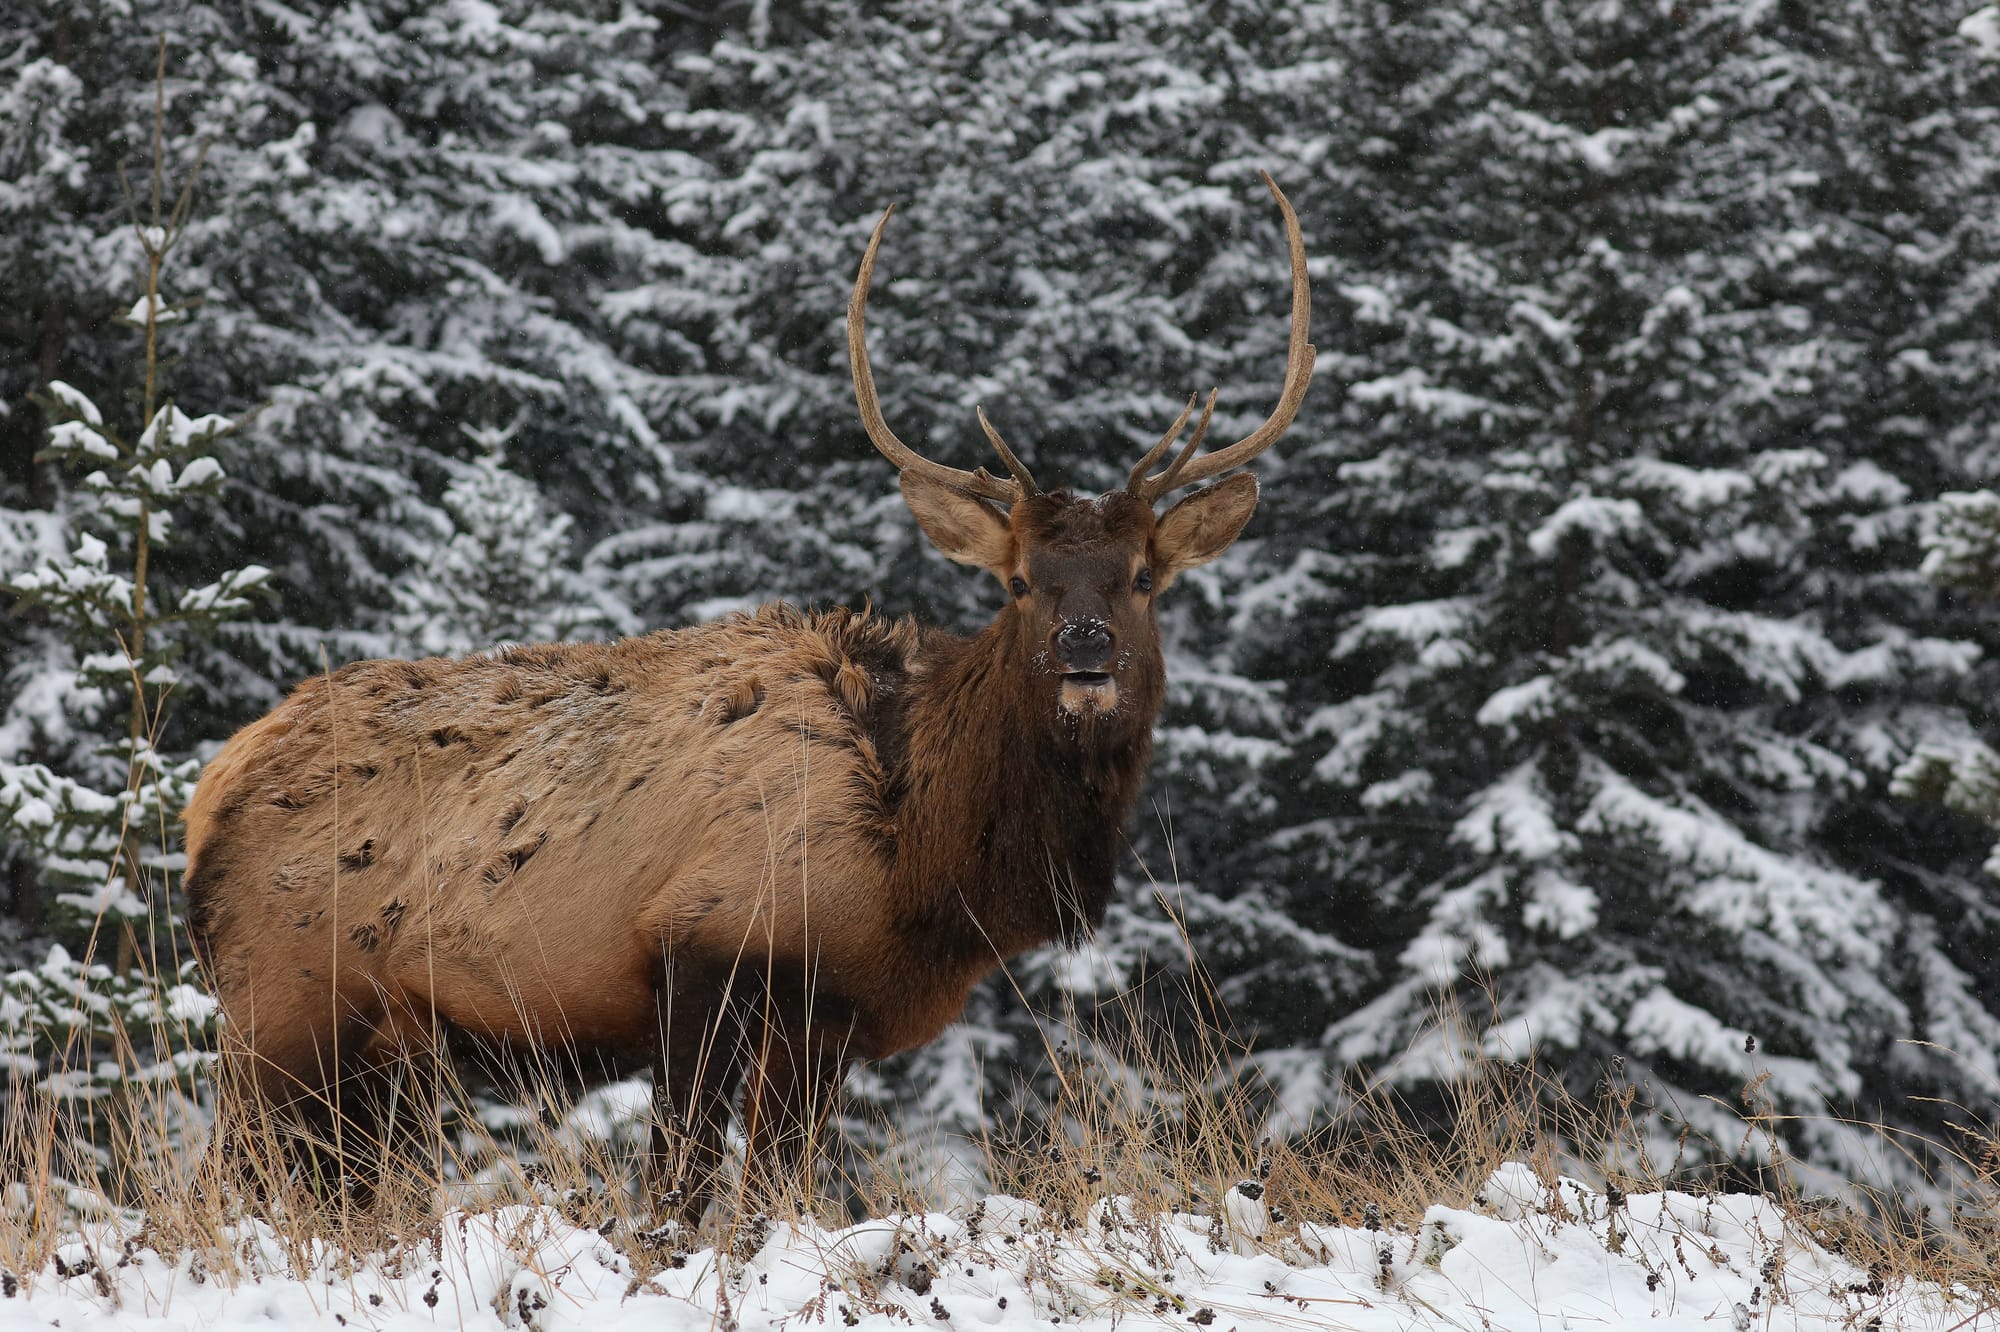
748,853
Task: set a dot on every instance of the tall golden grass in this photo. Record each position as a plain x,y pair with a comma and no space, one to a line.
1166,1121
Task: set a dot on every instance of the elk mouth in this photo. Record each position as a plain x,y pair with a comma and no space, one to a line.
1089,692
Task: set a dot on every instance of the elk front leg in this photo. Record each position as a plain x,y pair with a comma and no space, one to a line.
697,1058
789,1097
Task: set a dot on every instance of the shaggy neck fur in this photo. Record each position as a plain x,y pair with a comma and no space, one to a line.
1012,812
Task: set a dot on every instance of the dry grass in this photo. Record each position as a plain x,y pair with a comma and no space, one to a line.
1168,1122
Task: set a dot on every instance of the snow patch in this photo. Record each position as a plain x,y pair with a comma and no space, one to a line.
1528,1253
1513,817
1982,28
1591,514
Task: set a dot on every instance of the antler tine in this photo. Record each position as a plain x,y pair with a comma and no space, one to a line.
1298,374
1137,479
1022,477
902,455
1171,477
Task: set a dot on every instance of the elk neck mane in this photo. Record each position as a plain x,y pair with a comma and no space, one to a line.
1009,813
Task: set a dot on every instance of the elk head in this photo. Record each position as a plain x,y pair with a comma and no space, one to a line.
1084,573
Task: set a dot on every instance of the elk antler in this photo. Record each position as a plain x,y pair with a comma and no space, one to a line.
1186,469
1136,480
979,481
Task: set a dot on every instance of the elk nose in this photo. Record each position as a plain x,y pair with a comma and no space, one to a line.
1084,645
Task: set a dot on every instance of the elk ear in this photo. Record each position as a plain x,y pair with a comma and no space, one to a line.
965,527
1202,526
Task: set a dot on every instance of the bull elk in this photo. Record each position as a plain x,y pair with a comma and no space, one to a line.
748,853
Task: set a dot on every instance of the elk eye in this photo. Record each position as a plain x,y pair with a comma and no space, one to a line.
1018,586
1144,582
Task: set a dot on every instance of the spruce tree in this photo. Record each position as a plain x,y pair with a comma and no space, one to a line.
501,577
1616,658
114,1007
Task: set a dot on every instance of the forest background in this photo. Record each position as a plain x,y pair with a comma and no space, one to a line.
1611,651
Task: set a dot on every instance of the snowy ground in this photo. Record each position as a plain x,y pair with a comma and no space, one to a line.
1521,1260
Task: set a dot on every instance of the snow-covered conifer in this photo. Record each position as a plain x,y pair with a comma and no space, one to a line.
1618,668
112,1003
503,575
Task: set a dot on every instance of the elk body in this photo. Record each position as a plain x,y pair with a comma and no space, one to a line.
745,854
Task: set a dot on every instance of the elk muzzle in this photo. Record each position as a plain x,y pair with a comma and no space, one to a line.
1085,650
1083,646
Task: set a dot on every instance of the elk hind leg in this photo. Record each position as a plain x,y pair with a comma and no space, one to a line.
388,1109
277,1084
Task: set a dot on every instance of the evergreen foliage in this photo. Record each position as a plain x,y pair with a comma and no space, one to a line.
1634,650
121,1003
500,576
